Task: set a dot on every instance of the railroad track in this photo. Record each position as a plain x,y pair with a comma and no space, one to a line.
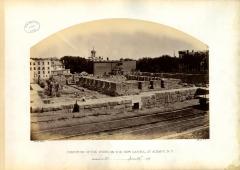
114,125
140,114
152,131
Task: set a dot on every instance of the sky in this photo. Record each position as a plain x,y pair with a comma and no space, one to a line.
116,38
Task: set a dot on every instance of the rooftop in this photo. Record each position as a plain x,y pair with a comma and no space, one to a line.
47,58
112,61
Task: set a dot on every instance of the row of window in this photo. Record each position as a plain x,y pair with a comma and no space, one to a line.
39,68
43,72
40,63
42,76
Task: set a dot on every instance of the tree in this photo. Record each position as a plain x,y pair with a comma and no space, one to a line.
164,63
77,64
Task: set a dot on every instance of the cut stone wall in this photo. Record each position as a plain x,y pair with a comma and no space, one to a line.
59,116
186,78
63,116
127,88
158,83
142,77
134,86
108,87
161,99
148,100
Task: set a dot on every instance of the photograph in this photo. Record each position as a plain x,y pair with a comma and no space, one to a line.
120,85
119,79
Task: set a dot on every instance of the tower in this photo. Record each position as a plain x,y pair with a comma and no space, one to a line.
93,54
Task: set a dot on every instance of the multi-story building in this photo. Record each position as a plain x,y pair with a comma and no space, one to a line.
43,68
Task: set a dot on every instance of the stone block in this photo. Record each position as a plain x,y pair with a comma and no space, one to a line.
127,101
119,107
112,103
87,106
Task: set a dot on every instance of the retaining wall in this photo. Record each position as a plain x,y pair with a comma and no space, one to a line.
145,100
164,98
62,115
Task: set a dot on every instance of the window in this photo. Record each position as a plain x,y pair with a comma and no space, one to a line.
31,68
38,72
33,63
30,63
43,68
48,63
38,63
38,68
140,85
42,63
162,84
43,72
151,85
48,72
34,68
48,68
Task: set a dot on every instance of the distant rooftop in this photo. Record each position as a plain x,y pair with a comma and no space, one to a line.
192,51
111,61
45,58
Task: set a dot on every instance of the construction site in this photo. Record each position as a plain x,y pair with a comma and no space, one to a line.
117,102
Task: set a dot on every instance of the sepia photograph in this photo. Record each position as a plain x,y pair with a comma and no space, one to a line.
118,79
120,84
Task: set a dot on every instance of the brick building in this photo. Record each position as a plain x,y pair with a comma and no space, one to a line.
113,67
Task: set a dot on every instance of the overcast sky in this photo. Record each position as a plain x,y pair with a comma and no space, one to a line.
116,38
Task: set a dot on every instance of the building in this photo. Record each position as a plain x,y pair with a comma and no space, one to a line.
113,67
105,67
43,68
193,61
93,56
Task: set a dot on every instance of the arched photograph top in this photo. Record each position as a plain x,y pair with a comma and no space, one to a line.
119,79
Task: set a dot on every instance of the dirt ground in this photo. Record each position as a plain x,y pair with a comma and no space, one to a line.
69,93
